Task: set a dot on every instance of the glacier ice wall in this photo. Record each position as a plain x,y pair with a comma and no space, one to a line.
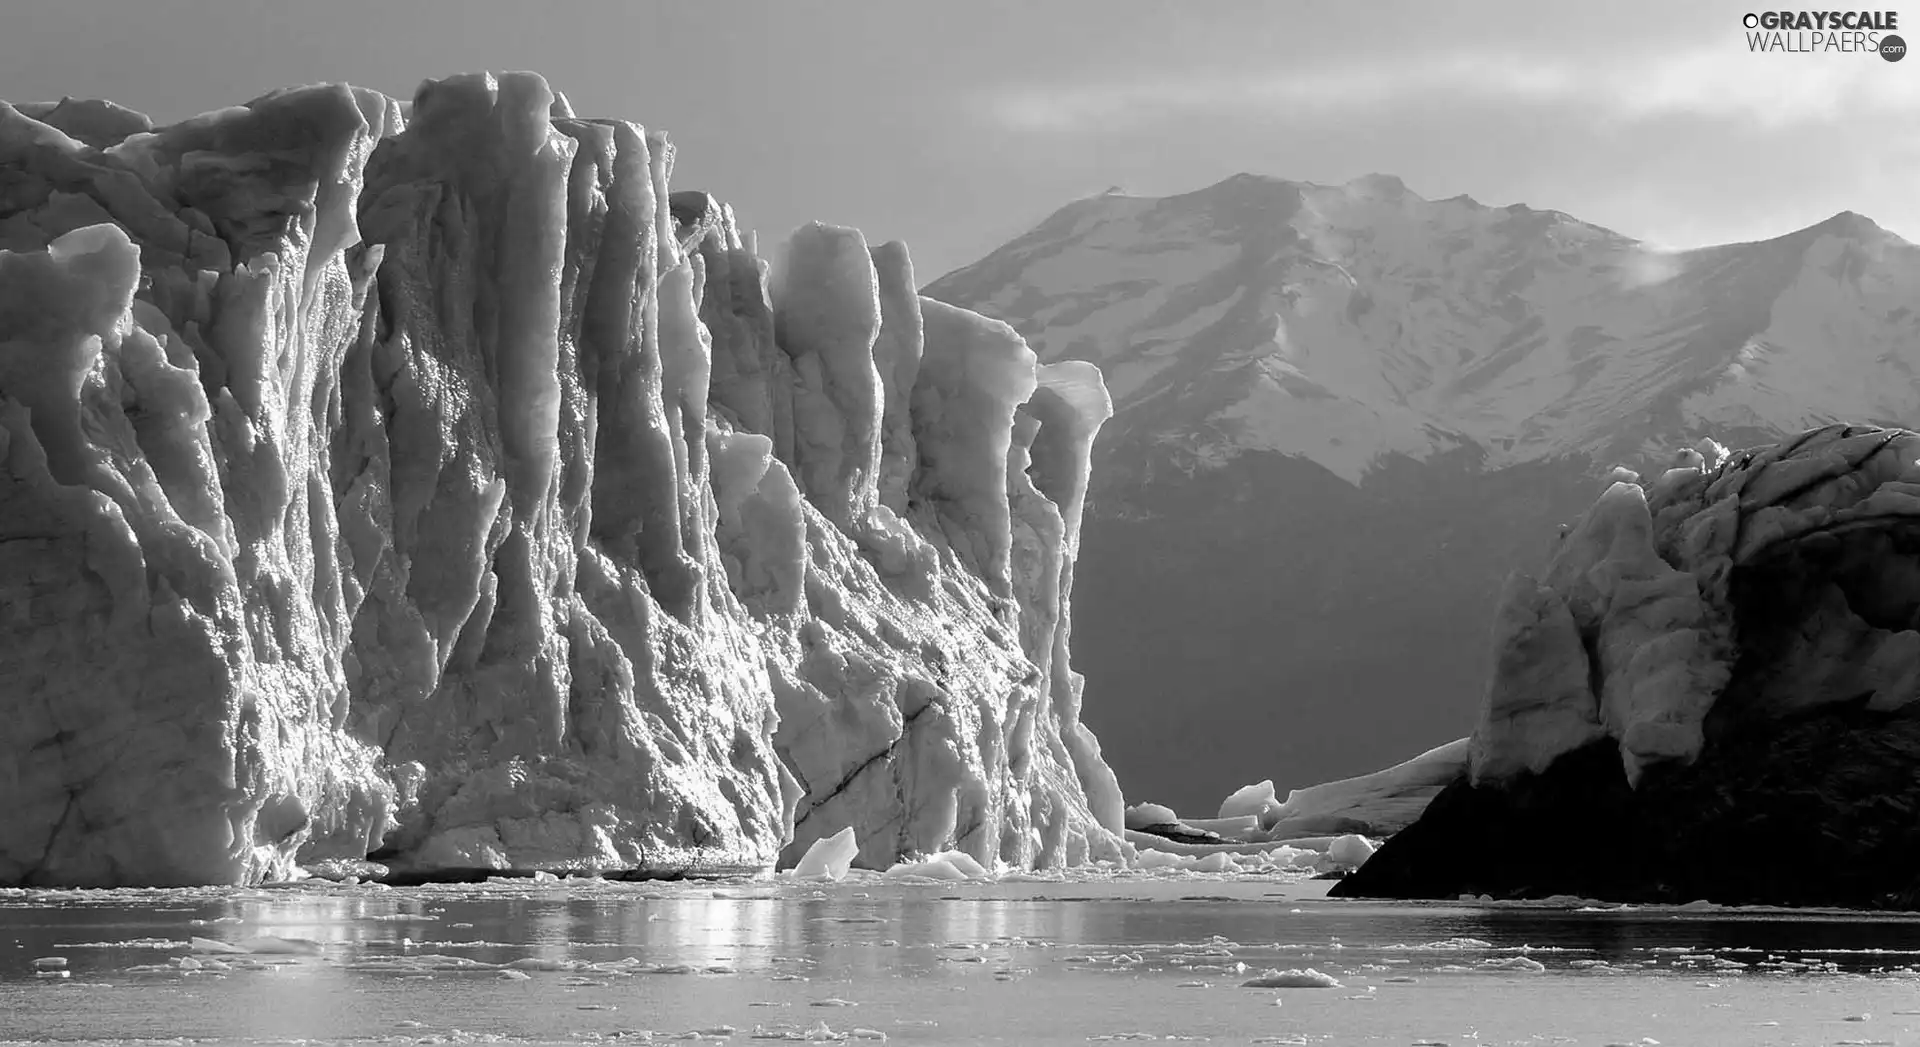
1718,667
428,481
1733,589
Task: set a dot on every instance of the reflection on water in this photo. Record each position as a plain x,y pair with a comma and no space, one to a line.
1015,963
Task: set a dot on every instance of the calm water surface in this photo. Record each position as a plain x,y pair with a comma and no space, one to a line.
1102,960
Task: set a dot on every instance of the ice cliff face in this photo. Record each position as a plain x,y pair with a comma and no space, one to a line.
1717,670
1757,586
427,481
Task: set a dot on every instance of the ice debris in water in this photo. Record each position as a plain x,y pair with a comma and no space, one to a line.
1142,815
1351,850
1253,799
820,1032
1266,860
828,858
260,944
1513,963
946,865
1292,978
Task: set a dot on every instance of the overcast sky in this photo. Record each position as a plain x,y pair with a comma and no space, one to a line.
956,125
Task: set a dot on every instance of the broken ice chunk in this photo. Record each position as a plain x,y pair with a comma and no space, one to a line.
828,858
264,944
1291,978
1351,850
1252,799
946,865
1142,815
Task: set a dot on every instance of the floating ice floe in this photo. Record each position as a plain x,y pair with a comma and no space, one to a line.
1351,851
1310,855
1513,963
946,865
829,858
1142,815
1255,800
819,1032
262,944
1292,978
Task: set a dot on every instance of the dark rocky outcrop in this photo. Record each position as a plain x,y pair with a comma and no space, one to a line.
1817,811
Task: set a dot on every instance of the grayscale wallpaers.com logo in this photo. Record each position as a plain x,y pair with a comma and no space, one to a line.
1824,32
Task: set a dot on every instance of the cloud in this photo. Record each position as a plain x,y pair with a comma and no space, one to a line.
1769,90
1649,266
1724,81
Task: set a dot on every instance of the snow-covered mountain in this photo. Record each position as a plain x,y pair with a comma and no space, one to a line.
1360,407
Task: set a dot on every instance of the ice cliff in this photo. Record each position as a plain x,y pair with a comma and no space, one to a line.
1759,585
1717,669
426,481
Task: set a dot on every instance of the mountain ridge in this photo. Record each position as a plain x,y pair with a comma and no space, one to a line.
1279,278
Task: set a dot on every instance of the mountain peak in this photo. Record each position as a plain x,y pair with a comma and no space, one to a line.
1246,179
1348,323
1380,184
1850,224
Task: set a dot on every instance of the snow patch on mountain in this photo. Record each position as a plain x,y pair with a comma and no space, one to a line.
1849,301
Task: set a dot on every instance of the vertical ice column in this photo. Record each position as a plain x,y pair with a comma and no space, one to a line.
896,355
1539,703
685,370
686,366
1039,545
751,378
636,493
826,316
1650,633
973,374
526,286
1072,404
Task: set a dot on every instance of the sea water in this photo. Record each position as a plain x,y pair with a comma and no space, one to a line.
1094,959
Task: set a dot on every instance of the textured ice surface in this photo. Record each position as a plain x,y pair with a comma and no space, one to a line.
1351,850
1380,803
828,858
1256,800
1777,580
947,865
425,481
1142,815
